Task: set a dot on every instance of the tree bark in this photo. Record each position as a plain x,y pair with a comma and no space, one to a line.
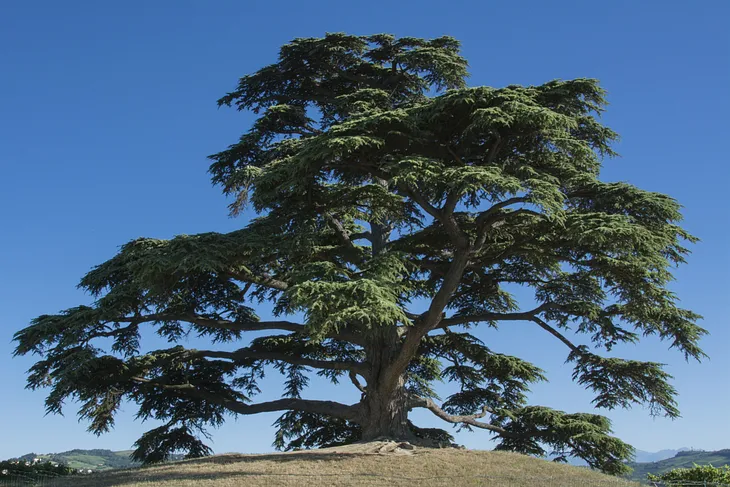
385,403
386,415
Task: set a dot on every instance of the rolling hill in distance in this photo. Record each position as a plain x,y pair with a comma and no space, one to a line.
642,456
95,460
682,459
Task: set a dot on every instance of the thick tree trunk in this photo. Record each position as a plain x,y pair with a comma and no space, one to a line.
386,415
385,401
385,404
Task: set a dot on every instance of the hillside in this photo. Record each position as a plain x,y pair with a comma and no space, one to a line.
683,459
377,464
642,456
95,460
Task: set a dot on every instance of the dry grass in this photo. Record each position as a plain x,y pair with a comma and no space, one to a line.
372,465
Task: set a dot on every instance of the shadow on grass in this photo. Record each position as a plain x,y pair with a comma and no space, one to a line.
230,458
139,477
177,471
244,478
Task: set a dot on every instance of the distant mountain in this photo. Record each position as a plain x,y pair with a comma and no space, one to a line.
641,456
682,459
647,456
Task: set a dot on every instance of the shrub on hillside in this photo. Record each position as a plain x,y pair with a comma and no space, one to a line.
698,473
31,470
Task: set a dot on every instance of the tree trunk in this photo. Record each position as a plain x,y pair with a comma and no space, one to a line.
385,402
386,415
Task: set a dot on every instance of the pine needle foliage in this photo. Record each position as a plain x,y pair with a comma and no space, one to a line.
396,208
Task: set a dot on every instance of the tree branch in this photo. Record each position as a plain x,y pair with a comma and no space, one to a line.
542,324
451,201
492,154
431,318
329,408
453,198
470,420
266,280
443,216
454,155
493,214
212,323
244,354
339,230
282,325
483,218
353,377
359,235
523,316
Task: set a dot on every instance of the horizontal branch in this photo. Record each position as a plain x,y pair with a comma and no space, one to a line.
470,420
361,235
244,326
264,280
222,324
493,210
523,316
493,215
329,408
244,354
212,323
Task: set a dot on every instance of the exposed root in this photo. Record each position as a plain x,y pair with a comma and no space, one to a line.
388,446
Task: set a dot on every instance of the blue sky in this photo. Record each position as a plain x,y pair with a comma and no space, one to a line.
107,111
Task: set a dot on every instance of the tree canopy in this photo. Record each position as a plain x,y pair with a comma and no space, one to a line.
396,209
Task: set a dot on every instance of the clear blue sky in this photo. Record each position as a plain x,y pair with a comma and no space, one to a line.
107,111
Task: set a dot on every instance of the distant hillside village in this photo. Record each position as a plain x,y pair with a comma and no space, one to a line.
80,461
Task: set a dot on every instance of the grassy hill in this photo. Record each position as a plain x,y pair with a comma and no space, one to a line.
683,459
356,465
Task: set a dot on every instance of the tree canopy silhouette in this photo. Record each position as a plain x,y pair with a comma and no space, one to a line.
396,208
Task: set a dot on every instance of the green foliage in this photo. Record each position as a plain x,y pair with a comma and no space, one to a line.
397,209
298,430
10,470
158,444
698,473
683,460
580,435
